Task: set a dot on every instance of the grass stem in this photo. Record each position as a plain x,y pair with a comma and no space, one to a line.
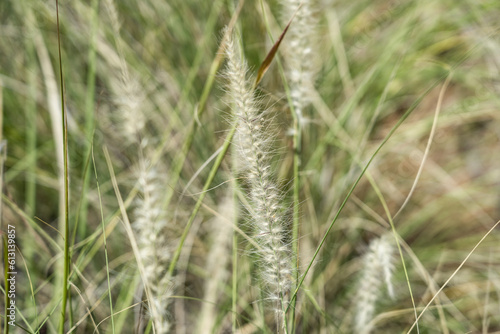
64,125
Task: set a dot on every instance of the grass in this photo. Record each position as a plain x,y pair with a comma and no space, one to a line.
379,126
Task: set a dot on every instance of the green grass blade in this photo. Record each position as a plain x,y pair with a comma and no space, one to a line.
64,125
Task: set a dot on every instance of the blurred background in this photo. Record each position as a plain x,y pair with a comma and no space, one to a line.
146,99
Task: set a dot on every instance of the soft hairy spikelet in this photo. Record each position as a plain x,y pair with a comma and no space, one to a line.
267,216
377,270
300,53
129,96
130,102
150,223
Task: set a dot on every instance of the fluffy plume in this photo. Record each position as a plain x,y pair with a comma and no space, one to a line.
150,223
267,216
377,270
300,53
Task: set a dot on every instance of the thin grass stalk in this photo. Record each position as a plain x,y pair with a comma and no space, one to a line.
66,182
199,202
396,237
83,193
53,101
104,243
453,275
129,231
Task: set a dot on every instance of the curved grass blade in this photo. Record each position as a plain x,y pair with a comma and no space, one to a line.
66,182
270,56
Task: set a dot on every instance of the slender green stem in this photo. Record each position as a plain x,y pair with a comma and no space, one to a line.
66,183
198,204
105,244
396,237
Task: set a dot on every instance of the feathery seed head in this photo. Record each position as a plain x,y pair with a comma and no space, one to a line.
129,116
150,223
300,55
377,263
267,219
